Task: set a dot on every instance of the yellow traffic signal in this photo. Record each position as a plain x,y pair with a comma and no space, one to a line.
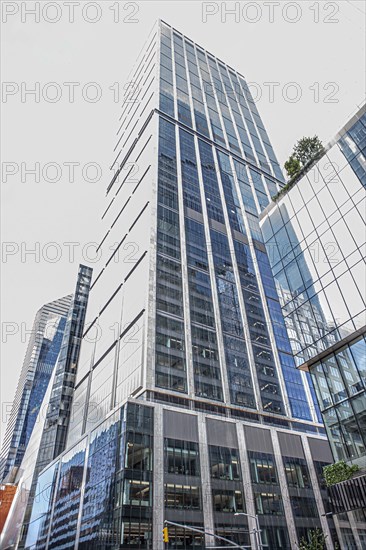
165,534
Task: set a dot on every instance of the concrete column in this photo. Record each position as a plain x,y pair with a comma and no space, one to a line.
353,526
338,529
247,482
209,524
158,479
348,523
284,490
317,493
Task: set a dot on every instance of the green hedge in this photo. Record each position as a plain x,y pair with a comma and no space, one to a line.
340,471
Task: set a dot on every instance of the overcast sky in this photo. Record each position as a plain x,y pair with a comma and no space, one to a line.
310,51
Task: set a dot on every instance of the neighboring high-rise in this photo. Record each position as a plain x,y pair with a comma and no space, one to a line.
316,238
48,438
188,406
40,359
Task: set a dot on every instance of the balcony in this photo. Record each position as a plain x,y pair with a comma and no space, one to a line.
348,495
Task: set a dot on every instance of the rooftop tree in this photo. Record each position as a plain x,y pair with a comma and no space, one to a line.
305,150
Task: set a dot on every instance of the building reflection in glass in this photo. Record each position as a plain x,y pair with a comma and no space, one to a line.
315,237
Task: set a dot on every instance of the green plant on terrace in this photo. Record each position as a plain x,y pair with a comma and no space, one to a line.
340,471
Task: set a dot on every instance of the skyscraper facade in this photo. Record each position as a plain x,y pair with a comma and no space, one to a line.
316,239
40,359
188,406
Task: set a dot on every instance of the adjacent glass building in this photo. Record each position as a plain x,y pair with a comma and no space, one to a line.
315,236
40,359
316,240
188,406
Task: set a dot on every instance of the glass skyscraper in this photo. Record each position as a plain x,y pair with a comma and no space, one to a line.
40,359
316,240
48,438
188,406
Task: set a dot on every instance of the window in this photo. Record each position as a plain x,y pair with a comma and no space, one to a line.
39,520
214,206
190,182
262,468
181,457
268,504
136,534
168,233
185,497
170,354
304,507
236,533
67,498
206,365
297,473
224,463
166,103
240,382
171,381
358,351
318,466
209,391
221,256
185,539
196,244
231,198
136,493
229,307
227,501
201,305
139,452
334,379
276,538
184,113
167,167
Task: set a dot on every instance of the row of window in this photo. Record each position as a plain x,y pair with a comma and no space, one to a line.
242,112
341,375
130,473
314,239
182,458
207,377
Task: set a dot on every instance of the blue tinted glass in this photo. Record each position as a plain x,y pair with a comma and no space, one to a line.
231,197
196,244
239,377
167,166
213,201
102,467
191,189
245,188
67,500
294,387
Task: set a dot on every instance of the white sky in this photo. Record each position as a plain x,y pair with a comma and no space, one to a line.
326,56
